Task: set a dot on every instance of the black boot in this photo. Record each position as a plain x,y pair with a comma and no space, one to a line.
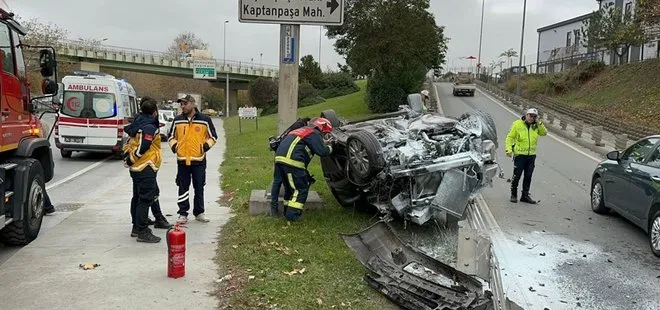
150,222
526,198
50,209
147,236
514,198
134,232
161,222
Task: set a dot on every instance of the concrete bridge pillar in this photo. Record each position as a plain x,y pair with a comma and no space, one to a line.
233,101
88,66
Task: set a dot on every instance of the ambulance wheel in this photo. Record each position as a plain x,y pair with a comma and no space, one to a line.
66,154
23,231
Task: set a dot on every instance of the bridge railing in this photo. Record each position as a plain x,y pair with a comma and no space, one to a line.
158,58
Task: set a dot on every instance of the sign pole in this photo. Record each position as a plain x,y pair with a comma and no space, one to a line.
287,101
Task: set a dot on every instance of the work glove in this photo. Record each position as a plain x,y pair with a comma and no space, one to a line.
206,147
174,148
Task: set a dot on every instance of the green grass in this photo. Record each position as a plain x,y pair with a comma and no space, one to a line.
266,247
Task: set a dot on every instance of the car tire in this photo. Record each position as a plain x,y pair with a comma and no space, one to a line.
489,131
597,197
654,233
66,154
364,156
331,116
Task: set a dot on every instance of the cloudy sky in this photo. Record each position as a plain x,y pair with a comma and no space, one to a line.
150,24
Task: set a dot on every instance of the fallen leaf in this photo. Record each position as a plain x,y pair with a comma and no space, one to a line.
250,278
319,302
300,260
89,266
234,246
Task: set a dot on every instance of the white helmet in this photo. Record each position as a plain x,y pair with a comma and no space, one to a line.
425,93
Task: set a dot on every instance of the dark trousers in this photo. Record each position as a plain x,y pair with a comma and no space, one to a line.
196,173
145,188
155,207
523,165
296,183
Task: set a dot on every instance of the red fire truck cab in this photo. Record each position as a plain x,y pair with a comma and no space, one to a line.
26,160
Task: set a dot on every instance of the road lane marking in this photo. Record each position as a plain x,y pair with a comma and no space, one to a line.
551,135
75,175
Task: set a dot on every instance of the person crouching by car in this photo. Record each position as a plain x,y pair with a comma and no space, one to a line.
292,157
142,155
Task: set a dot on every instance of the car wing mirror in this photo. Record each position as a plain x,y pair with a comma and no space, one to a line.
614,155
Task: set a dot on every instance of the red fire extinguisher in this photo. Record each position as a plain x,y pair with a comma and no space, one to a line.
176,252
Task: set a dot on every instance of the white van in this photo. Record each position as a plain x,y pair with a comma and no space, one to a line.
95,108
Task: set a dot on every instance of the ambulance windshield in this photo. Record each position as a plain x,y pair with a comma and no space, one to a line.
89,104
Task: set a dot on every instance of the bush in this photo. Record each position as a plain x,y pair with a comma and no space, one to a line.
384,94
263,92
337,84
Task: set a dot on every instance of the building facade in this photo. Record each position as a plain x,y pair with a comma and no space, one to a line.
560,45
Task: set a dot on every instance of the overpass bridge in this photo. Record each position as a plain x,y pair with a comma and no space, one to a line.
95,57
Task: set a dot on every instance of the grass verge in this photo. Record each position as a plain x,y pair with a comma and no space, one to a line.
259,251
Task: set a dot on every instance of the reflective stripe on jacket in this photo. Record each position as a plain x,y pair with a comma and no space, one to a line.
191,138
299,146
143,147
523,137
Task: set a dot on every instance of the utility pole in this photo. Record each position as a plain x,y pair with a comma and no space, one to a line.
520,57
320,36
224,57
481,35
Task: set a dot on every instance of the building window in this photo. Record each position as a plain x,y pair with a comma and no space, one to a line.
568,38
577,37
628,10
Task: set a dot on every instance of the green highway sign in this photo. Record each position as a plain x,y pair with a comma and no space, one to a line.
204,69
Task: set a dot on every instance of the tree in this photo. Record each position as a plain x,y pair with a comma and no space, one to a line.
263,92
613,29
183,44
648,11
395,40
310,71
509,54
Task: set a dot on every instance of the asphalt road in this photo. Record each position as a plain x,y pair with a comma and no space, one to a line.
561,252
78,173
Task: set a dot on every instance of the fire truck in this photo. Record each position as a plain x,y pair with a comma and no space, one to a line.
26,160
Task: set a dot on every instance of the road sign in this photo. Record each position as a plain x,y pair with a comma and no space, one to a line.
204,69
295,12
289,48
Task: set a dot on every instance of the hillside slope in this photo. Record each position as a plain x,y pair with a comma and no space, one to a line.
629,92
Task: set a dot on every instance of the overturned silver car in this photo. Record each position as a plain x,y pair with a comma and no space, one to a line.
418,165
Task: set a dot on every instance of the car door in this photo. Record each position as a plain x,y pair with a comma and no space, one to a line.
633,192
645,185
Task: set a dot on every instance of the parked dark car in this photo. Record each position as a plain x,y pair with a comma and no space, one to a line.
628,182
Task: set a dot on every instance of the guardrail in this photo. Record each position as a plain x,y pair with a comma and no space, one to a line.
132,55
576,116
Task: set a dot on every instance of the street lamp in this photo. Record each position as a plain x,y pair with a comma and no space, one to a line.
224,57
522,40
481,35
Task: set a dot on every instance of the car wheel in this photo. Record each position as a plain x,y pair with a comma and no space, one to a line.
365,156
489,131
597,201
654,233
332,117
66,154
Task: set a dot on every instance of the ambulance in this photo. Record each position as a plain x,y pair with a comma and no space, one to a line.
95,108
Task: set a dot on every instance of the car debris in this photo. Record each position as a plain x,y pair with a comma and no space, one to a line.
410,278
418,165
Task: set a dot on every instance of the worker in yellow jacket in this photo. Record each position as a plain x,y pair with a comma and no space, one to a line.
521,144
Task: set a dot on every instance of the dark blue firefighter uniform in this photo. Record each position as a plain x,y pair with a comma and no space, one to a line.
291,160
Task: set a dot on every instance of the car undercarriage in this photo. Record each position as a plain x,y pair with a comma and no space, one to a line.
420,166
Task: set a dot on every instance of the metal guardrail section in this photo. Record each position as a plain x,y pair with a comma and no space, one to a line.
633,131
156,58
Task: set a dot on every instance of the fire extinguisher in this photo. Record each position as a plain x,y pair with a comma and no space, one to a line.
176,252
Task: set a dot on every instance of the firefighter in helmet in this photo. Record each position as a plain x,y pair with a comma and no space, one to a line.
291,160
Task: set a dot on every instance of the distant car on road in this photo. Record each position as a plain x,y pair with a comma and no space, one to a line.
628,182
165,117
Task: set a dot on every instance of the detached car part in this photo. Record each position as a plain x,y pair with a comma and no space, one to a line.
410,278
410,163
